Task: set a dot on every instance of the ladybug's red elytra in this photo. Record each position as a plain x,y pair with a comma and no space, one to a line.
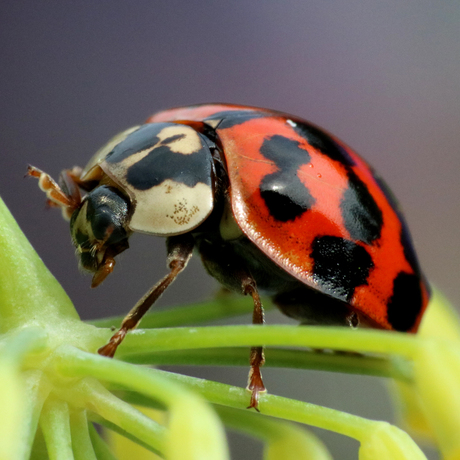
271,203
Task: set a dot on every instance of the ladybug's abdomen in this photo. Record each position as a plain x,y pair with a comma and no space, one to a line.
224,259
227,261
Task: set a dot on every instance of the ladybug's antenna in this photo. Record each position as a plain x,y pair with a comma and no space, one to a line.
67,197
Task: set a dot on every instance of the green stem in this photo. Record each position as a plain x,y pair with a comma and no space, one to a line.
365,341
36,394
276,406
81,441
368,432
55,426
278,357
101,448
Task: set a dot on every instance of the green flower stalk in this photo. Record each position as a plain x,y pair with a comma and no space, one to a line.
53,385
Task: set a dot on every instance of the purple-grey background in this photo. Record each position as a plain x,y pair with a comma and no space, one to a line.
382,76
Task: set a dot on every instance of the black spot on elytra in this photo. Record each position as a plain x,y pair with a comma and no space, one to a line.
283,192
323,142
232,118
362,217
408,248
161,163
406,303
284,152
283,200
340,266
405,237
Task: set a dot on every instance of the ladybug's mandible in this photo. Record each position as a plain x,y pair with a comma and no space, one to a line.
270,202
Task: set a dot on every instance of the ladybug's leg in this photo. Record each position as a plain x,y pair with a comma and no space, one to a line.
230,269
66,197
180,250
257,358
65,194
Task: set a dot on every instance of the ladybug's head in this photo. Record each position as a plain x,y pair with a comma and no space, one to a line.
99,229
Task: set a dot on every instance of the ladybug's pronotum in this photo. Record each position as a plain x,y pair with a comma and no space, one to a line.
270,202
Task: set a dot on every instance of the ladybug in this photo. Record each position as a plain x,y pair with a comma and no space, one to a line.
271,203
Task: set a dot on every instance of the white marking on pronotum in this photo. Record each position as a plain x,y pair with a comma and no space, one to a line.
188,140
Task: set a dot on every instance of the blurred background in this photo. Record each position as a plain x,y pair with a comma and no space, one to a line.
382,76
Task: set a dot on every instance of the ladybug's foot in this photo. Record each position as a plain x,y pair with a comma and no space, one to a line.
255,390
111,347
129,323
55,195
255,381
